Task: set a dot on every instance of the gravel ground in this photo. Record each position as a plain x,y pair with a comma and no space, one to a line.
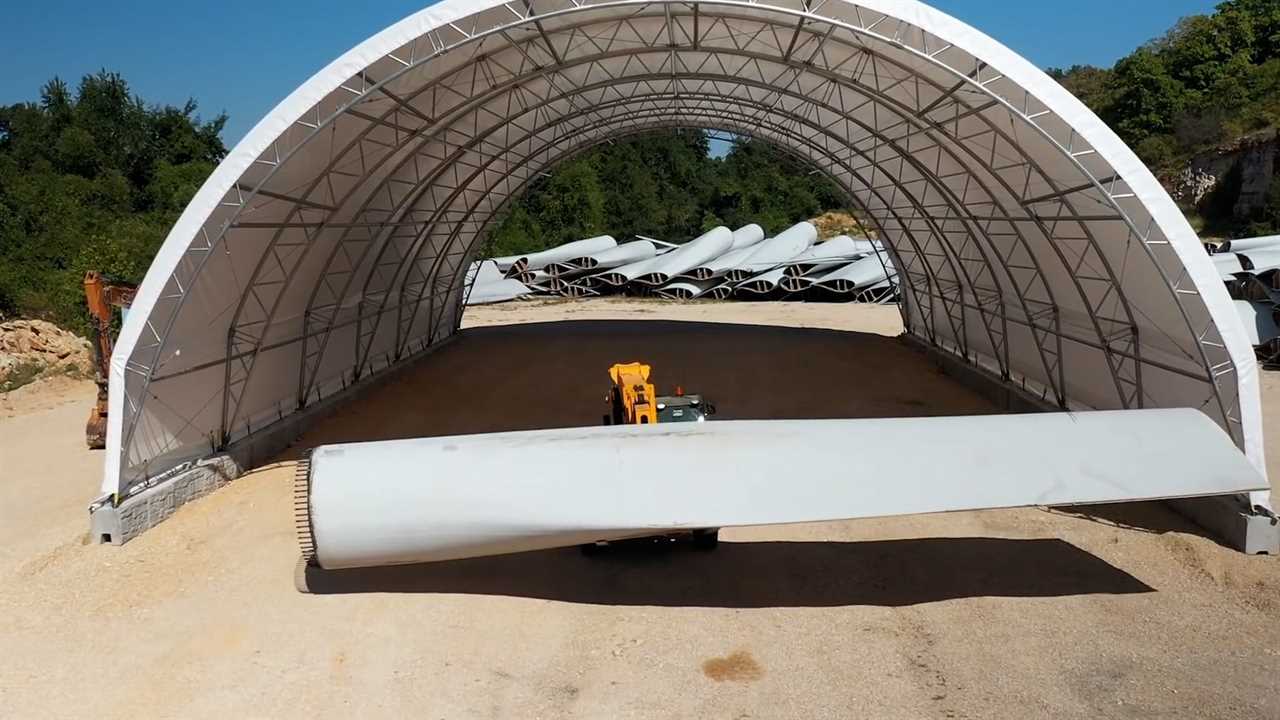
1125,612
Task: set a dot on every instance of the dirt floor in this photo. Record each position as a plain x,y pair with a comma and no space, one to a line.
1125,612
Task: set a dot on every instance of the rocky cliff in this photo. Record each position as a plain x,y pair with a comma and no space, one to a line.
1245,170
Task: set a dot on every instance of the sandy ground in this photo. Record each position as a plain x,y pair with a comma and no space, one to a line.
1123,613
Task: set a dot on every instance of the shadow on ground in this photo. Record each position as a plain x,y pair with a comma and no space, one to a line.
1155,518
891,573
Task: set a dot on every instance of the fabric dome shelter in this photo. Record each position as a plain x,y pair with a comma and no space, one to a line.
333,242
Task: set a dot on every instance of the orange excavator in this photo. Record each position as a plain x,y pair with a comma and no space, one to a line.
103,296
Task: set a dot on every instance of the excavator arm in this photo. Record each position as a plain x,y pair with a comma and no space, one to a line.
102,296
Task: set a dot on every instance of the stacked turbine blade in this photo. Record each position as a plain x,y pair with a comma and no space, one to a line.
1250,268
863,274
719,264
705,247
686,289
775,251
801,271
540,260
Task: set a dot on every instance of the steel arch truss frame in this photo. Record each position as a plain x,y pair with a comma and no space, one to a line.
362,194
830,145
683,94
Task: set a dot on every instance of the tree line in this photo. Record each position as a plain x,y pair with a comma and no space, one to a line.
1211,81
665,185
92,179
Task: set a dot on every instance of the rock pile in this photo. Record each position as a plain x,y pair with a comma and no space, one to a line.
37,347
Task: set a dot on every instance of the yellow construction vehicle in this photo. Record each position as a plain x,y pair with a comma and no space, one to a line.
633,400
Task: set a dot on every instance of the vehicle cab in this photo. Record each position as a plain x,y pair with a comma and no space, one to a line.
684,408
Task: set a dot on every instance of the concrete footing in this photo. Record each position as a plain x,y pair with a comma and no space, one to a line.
117,521
1229,519
118,524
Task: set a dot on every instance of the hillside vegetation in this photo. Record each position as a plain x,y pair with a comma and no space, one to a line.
664,185
91,179
1211,81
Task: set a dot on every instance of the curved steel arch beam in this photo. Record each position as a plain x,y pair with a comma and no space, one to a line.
143,367
430,222
735,130
465,185
952,256
1032,256
1049,375
709,119
924,173
510,83
747,130
924,176
447,203
905,226
233,334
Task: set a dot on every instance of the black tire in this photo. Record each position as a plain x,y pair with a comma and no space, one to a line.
706,539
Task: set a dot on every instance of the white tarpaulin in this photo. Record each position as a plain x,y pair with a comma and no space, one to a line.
334,240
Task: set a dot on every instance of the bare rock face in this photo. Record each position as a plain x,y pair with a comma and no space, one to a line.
1194,183
36,347
1257,172
1254,158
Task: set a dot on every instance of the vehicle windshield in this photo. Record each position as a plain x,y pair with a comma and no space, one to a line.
672,413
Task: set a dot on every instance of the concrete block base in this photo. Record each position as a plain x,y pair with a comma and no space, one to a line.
1249,531
1229,519
118,524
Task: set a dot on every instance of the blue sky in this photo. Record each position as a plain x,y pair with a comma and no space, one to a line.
244,57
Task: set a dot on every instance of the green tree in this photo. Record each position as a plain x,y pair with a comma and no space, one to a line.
517,234
570,205
1092,85
664,185
91,180
1148,99
1209,82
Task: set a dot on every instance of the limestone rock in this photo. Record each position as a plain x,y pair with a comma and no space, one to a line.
41,345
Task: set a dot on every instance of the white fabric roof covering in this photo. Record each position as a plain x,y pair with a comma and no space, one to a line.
334,239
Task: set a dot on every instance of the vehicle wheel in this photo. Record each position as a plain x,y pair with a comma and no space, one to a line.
706,539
